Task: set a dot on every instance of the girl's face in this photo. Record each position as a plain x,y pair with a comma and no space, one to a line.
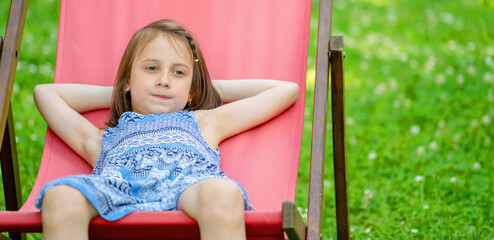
161,76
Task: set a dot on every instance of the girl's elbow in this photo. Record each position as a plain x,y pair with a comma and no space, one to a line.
293,90
41,91
38,90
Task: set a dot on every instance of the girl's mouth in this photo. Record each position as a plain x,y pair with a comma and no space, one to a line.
162,97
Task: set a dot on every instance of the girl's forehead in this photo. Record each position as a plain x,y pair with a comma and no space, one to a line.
166,47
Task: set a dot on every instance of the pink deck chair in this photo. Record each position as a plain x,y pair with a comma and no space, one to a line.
240,39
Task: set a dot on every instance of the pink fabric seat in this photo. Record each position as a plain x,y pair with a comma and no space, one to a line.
240,39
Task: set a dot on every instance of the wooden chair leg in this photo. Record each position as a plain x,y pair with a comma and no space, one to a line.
10,167
8,64
10,171
314,214
339,151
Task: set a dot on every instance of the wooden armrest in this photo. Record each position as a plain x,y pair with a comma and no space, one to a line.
293,224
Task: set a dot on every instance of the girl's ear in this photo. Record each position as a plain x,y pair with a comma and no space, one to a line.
127,87
189,101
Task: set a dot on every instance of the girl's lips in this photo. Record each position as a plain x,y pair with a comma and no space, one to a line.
163,97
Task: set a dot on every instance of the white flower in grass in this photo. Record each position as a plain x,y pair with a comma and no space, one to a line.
46,49
490,97
450,70
407,103
488,77
32,68
16,88
367,21
46,69
391,17
486,120
447,17
457,137
474,123
471,70
414,230
440,79
367,230
367,55
372,155
433,145
487,141
350,121
488,60
403,57
441,124
419,178
34,137
327,184
490,51
21,65
30,122
460,79
420,150
476,166
414,129
380,89
393,84
368,193
452,45
430,64
396,103
453,179
307,112
425,207
471,46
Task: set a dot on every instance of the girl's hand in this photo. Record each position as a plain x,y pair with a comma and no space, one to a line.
61,105
252,102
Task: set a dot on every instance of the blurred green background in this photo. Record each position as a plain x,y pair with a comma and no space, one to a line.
419,85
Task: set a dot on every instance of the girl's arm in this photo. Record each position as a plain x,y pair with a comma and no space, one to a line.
61,105
252,102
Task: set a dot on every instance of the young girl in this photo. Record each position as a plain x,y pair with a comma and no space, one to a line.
160,150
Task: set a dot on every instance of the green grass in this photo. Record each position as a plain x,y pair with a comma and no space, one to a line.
419,85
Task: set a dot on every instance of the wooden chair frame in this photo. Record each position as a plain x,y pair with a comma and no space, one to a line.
330,57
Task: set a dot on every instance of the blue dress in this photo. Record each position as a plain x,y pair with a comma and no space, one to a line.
146,162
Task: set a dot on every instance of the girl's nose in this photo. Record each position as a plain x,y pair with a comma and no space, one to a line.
163,81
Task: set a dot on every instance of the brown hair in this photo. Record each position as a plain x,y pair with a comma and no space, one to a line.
203,95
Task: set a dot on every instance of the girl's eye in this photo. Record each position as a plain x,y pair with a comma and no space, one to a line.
179,72
152,68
